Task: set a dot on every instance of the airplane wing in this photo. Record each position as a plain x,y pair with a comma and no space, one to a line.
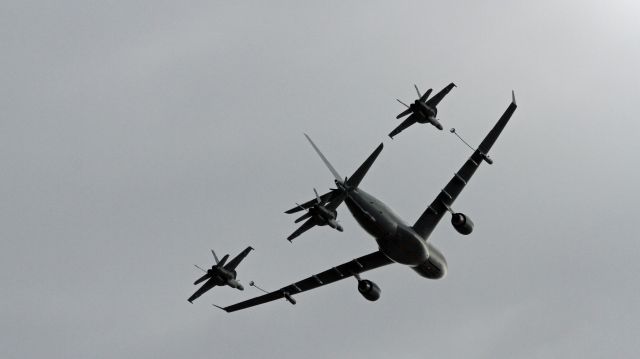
335,202
205,287
434,213
323,199
303,228
406,123
346,270
435,100
235,261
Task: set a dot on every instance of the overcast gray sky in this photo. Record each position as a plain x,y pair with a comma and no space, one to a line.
136,135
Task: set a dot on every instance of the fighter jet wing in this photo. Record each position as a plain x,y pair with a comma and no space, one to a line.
237,259
336,201
205,287
323,199
434,213
303,228
435,100
405,124
346,270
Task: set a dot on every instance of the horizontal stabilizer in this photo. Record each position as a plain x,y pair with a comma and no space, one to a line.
201,279
359,174
404,113
303,217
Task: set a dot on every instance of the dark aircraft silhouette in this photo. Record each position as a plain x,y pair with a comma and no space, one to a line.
322,209
320,212
220,274
397,241
423,110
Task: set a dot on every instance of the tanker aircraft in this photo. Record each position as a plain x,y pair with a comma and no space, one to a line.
220,274
397,241
423,110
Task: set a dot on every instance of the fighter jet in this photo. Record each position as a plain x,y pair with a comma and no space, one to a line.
423,110
322,209
397,242
319,213
220,274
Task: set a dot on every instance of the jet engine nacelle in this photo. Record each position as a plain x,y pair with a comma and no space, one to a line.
369,289
235,284
462,223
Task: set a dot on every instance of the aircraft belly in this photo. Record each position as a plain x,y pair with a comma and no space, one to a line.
422,119
395,239
404,247
371,216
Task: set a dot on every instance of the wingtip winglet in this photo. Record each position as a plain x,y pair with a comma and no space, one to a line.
513,97
219,307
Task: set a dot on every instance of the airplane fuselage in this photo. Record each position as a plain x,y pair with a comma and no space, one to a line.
424,111
426,114
224,276
396,240
323,216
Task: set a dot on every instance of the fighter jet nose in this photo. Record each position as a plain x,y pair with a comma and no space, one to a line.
339,228
240,287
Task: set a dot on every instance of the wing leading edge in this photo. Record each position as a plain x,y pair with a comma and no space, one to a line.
235,261
404,125
345,270
434,213
435,100
205,288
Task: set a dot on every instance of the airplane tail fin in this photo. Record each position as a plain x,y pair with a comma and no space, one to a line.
223,260
335,173
358,175
425,97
